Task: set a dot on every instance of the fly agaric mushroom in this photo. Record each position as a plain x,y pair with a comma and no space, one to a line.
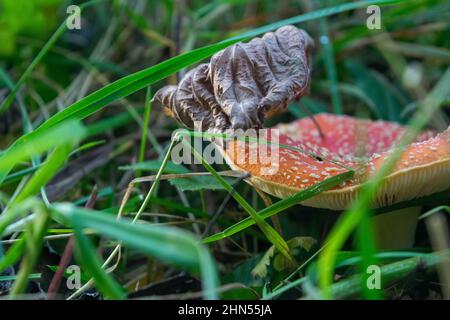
246,82
364,145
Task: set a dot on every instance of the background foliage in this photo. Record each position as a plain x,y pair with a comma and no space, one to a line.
77,125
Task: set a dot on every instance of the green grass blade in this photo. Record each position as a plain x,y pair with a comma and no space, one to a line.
330,66
380,92
169,244
435,210
86,254
350,287
348,222
355,286
13,254
148,109
18,175
366,246
26,122
317,14
110,123
418,50
43,175
155,165
35,237
283,205
352,90
179,208
48,169
30,277
37,143
274,237
6,104
132,83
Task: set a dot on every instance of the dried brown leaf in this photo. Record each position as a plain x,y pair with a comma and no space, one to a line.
243,84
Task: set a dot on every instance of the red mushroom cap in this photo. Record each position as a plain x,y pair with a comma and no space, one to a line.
360,144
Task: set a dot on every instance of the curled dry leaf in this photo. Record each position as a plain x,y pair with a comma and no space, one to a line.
243,84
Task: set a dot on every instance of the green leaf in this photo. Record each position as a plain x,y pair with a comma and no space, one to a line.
185,184
261,269
199,183
66,274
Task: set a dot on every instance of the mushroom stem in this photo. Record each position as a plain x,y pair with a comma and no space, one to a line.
396,229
